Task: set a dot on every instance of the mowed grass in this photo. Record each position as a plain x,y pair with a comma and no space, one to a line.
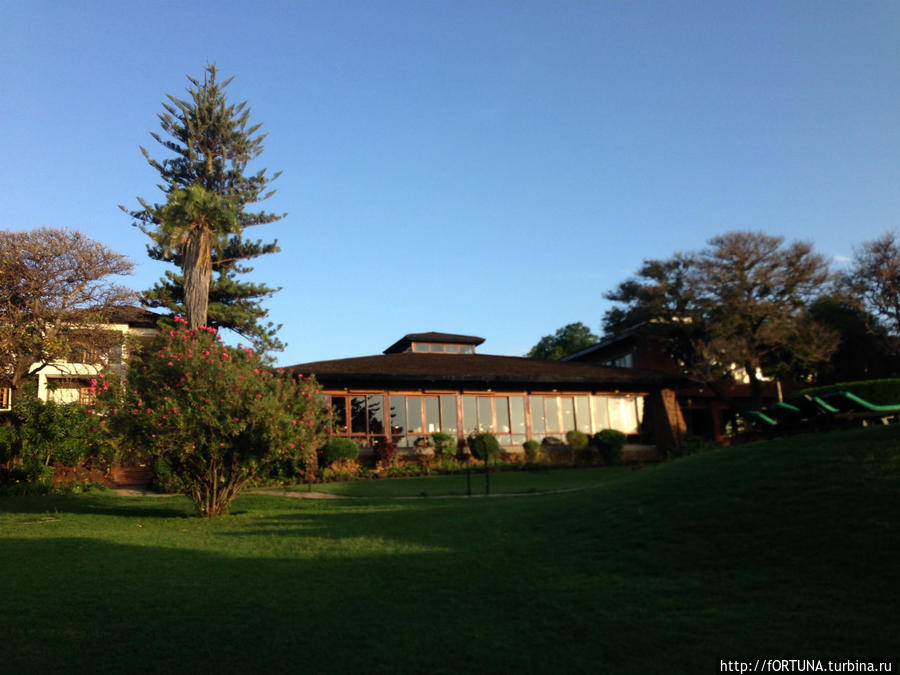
782,549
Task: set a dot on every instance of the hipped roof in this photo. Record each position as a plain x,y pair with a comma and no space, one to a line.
475,371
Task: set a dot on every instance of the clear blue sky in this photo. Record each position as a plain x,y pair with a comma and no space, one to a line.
487,168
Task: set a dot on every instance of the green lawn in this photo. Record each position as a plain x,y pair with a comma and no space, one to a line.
784,549
457,485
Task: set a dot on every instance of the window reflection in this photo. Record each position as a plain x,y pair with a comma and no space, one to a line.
398,415
470,414
537,415
448,415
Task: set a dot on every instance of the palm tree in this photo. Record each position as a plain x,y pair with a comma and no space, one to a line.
192,223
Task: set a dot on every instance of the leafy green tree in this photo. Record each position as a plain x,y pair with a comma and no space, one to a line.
200,225
567,340
742,303
215,414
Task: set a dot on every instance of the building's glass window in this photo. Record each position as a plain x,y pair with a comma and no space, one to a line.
537,417
449,423
551,413
438,348
432,414
501,410
485,415
420,347
5,398
600,413
398,415
339,406
376,413
568,413
517,420
451,349
623,414
358,415
470,414
466,349
583,414
414,414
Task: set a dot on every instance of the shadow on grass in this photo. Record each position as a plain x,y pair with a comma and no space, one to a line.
107,504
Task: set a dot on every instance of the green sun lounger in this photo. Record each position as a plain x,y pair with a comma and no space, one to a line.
848,402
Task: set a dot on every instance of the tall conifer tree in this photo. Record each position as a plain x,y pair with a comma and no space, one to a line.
212,142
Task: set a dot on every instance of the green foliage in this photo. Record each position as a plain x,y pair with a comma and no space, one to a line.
444,445
610,443
531,448
43,433
485,447
742,301
576,440
385,450
879,392
338,448
32,471
567,340
216,414
213,143
691,445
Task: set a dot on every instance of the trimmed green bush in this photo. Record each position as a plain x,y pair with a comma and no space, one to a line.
879,392
531,448
577,440
485,447
444,445
610,443
338,448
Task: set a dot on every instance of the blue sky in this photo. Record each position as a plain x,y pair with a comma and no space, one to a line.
487,168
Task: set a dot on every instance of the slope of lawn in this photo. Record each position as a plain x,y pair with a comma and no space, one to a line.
783,549
458,484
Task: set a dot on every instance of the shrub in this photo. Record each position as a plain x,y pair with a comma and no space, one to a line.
610,443
385,451
444,445
338,448
577,440
485,447
691,445
531,448
46,432
33,472
217,414
879,392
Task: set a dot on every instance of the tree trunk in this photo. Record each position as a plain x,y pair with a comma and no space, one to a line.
197,268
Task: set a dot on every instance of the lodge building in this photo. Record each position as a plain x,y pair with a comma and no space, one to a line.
429,382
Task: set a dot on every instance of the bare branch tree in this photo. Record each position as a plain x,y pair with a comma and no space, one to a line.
55,292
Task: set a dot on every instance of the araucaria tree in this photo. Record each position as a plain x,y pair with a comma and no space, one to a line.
741,303
57,289
199,226
215,413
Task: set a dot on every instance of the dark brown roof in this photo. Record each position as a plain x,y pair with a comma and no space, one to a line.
404,342
136,317
474,370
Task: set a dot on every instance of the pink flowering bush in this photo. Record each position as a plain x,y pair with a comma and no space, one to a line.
218,415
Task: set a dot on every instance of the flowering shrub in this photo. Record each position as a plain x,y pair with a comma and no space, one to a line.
217,415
